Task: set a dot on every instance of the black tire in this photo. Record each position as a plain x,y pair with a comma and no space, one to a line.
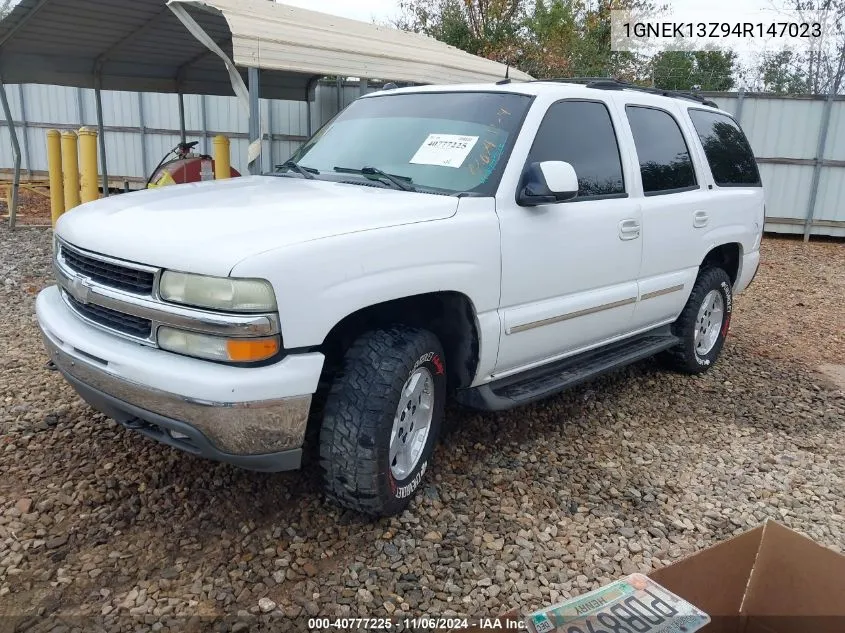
685,357
359,414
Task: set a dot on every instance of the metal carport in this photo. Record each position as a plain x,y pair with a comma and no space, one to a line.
254,48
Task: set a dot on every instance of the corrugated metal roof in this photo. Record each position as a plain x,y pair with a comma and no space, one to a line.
142,45
281,37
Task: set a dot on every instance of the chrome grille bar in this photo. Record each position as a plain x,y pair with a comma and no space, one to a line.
120,311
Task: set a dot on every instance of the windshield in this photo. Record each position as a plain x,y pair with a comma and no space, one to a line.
447,142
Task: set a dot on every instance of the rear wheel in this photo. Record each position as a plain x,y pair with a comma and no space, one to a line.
382,419
703,324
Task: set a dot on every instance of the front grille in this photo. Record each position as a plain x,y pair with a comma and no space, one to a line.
118,321
107,273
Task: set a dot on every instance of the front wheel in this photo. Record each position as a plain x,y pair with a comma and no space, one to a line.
382,419
703,324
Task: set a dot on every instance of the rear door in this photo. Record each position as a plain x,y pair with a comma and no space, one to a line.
675,202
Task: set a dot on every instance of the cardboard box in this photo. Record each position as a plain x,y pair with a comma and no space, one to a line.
768,580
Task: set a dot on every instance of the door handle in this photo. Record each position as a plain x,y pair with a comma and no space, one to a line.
629,229
700,219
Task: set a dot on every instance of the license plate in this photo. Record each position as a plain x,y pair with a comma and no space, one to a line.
635,604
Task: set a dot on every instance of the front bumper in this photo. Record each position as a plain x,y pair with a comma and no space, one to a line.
251,417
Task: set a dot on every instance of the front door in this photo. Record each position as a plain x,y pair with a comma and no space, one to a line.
569,270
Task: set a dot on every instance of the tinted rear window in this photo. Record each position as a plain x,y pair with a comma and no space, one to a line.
728,151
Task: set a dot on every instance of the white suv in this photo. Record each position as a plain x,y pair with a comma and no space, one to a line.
497,243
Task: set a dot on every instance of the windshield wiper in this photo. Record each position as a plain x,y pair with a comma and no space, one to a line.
399,182
305,172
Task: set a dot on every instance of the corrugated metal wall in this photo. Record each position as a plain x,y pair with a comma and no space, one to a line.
141,127
784,132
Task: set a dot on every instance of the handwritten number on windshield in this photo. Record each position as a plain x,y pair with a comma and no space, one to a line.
490,150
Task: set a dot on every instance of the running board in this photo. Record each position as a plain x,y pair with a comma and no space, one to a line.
541,382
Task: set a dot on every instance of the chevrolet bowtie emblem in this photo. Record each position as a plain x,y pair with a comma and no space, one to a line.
80,289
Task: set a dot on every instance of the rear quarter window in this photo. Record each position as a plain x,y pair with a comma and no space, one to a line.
728,151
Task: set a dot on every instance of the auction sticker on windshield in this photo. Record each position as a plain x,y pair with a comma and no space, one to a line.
635,603
444,150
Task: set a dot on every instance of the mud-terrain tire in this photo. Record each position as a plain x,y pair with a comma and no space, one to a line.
376,438
703,324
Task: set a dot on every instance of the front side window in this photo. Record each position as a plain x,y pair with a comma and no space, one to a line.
728,151
450,142
581,134
665,162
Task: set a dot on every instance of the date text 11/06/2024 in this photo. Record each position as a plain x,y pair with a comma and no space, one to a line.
415,624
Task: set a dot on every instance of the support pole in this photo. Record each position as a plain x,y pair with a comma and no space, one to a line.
339,84
740,100
271,151
16,150
54,167
204,121
308,116
27,156
817,169
222,159
182,118
104,170
70,169
88,164
254,153
142,131
80,107
310,89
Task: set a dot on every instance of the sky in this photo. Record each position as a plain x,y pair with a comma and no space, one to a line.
383,10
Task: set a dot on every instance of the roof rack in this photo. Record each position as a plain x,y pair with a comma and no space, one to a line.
609,83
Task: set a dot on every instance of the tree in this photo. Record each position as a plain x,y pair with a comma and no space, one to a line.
482,27
568,38
681,70
823,60
545,38
780,73
814,66
5,8
562,38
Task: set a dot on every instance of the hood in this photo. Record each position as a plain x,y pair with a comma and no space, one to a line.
208,227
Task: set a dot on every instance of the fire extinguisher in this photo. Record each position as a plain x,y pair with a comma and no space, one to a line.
184,167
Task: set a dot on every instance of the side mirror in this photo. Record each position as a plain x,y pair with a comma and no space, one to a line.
548,182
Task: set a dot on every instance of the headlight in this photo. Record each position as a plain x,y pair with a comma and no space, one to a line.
218,293
230,350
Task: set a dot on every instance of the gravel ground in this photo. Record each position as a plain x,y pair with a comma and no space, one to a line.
625,474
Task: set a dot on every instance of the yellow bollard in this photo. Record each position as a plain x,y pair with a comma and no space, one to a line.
88,164
222,164
54,167
70,168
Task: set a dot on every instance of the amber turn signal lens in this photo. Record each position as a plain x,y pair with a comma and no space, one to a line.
252,350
